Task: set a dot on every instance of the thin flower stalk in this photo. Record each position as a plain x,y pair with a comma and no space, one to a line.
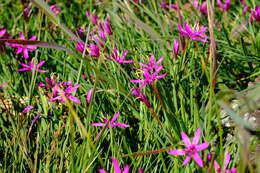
34,121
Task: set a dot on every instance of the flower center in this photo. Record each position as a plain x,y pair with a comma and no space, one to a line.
191,150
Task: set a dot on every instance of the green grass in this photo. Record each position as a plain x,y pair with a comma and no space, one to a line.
63,139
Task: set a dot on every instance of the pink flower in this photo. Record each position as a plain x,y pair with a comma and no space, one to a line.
149,78
54,8
89,95
27,109
225,5
226,162
245,9
164,5
94,50
209,157
196,4
32,67
2,32
112,122
139,95
25,49
80,46
116,167
4,85
94,19
152,65
119,59
51,82
175,47
192,148
255,14
107,27
195,33
65,93
101,35
203,8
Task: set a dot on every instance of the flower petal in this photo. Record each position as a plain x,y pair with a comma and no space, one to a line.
126,170
185,139
115,117
89,96
25,53
116,165
226,160
121,125
202,146
176,152
74,99
197,159
196,137
137,81
55,98
217,167
98,124
23,69
102,171
187,159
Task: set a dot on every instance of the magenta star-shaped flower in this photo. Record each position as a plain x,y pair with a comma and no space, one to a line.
226,162
149,78
112,122
192,148
32,67
195,33
65,93
119,59
152,64
25,49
